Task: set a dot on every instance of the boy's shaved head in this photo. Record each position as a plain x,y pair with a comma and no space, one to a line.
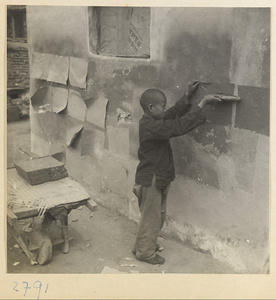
151,96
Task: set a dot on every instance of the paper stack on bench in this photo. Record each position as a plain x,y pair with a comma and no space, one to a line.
41,170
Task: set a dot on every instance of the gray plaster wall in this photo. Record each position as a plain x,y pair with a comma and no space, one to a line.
219,202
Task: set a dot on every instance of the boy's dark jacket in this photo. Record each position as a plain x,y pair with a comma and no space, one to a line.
155,153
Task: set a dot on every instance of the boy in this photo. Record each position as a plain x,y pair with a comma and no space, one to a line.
155,171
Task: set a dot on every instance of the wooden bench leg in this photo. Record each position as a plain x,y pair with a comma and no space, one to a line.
22,244
65,233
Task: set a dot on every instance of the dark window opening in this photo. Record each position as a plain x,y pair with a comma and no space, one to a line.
19,24
120,31
16,22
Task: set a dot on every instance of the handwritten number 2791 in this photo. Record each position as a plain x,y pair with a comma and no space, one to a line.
36,285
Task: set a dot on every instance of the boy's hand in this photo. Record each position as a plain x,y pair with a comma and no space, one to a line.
193,86
209,99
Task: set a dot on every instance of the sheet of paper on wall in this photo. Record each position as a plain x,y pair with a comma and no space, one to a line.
40,64
50,126
92,141
78,72
87,140
96,111
74,127
39,146
39,124
76,107
216,88
36,65
59,69
219,113
60,99
41,100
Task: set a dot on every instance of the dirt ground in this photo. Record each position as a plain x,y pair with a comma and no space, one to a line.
102,241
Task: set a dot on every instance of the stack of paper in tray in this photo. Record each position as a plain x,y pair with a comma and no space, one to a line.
41,170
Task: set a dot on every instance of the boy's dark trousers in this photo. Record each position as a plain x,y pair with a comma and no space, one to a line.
152,204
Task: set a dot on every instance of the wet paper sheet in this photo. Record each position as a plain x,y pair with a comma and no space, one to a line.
40,63
42,99
60,99
220,113
96,111
59,69
73,128
50,67
78,72
39,146
52,127
76,107
92,141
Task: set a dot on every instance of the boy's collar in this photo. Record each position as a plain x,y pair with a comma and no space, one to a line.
150,117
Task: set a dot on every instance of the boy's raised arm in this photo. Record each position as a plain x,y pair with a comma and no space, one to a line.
183,105
160,129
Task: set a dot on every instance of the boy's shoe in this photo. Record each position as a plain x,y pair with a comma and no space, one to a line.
158,248
156,260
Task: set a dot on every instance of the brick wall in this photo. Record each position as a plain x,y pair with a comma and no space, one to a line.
18,68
